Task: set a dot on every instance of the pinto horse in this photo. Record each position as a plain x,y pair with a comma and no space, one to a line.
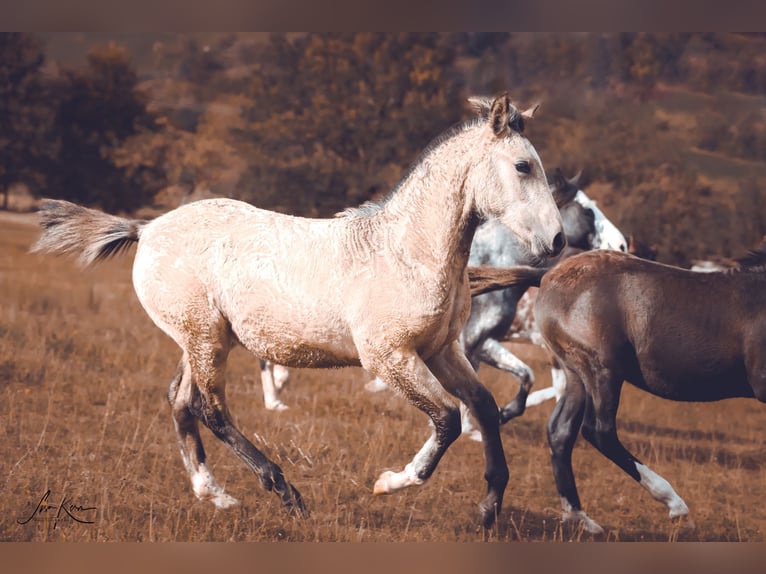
610,317
306,292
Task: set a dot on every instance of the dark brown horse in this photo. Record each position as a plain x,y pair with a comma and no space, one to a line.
610,317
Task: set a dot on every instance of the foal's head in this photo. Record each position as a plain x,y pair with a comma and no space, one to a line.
508,181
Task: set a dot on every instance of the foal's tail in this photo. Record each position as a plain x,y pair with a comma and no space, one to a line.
92,235
485,278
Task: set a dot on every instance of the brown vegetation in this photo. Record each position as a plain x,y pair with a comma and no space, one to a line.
84,374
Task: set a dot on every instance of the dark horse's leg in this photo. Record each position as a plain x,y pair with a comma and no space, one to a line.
600,429
208,346
457,376
563,427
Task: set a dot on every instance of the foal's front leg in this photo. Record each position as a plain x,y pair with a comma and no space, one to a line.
455,373
406,372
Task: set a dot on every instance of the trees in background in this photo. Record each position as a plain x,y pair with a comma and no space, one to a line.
26,116
97,109
668,127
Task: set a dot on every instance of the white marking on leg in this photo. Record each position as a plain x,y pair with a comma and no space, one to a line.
390,481
206,488
588,524
281,376
540,396
466,424
559,382
661,490
270,390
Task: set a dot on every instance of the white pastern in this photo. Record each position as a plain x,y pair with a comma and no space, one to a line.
390,481
661,490
569,515
206,488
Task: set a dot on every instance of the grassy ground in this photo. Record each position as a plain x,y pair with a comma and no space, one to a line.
83,377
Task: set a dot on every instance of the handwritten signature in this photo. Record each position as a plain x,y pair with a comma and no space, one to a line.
66,510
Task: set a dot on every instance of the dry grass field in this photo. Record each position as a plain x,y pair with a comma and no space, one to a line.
83,378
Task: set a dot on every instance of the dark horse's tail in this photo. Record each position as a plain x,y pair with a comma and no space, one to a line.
485,278
92,235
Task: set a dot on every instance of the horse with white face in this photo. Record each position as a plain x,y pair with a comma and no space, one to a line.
306,292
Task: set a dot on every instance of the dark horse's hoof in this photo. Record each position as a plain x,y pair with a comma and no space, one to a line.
488,514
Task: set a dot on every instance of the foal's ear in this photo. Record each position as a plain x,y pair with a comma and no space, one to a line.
481,105
504,117
529,113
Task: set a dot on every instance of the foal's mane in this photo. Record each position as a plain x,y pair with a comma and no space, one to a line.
370,208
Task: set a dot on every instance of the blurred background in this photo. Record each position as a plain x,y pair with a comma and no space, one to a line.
668,128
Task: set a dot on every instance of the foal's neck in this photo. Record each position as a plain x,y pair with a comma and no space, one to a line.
433,209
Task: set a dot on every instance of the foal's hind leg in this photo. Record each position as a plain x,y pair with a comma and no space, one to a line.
209,346
180,396
600,429
455,373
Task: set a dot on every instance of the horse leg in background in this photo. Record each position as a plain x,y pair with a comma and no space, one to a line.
558,382
563,426
270,387
600,429
180,396
496,355
281,376
455,373
209,341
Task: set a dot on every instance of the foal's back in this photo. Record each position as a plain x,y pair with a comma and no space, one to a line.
677,334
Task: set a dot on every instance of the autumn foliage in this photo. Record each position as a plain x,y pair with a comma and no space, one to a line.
668,127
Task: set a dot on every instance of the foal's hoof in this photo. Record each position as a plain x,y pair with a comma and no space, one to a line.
293,500
488,513
223,500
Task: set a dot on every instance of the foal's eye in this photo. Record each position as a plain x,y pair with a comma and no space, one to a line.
523,167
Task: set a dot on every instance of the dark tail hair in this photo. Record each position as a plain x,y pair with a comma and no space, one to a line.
93,235
485,278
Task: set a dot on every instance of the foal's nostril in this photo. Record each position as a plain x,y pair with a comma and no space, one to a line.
559,242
